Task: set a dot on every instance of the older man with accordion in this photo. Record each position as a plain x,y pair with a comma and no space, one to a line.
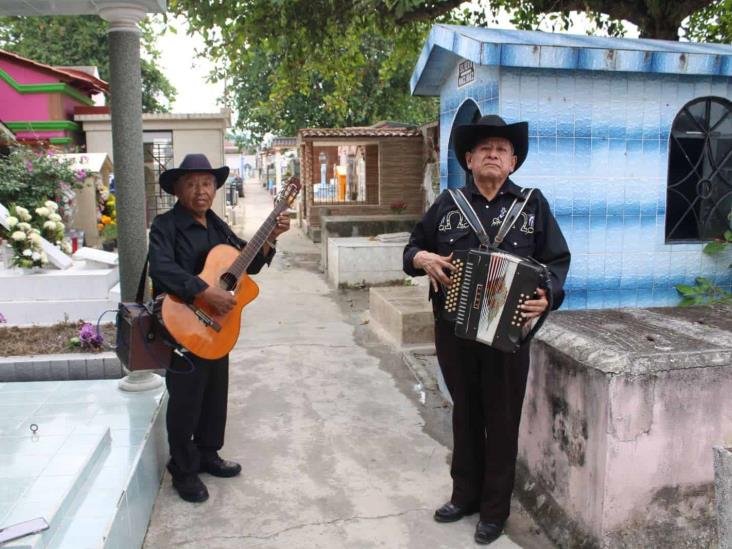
497,261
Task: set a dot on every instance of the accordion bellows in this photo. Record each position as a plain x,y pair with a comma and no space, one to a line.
488,288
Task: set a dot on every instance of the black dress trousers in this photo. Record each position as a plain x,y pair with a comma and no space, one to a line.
196,416
487,388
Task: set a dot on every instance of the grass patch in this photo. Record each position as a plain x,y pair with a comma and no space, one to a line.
47,340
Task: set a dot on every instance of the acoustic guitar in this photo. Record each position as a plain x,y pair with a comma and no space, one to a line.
197,326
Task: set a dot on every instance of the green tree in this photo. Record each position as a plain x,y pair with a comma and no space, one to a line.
82,40
288,65
654,18
338,62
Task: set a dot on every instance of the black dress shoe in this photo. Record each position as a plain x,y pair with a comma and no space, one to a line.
190,488
220,467
451,512
487,532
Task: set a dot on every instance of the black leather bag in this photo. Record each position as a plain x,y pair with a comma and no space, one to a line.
142,342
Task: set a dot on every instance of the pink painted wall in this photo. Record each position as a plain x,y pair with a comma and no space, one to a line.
26,75
69,105
15,106
31,106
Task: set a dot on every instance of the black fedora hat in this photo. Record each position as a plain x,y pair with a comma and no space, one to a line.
465,137
192,163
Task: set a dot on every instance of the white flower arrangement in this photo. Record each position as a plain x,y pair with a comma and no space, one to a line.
26,233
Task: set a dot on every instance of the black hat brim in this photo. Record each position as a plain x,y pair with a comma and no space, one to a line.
464,138
169,177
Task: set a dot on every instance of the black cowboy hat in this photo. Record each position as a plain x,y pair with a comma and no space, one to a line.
465,137
192,163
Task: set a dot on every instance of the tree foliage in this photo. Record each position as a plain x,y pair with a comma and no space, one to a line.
82,40
305,63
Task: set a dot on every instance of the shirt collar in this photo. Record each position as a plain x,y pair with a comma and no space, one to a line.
508,187
183,219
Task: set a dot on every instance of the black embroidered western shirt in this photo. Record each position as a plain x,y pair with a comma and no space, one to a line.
178,248
535,233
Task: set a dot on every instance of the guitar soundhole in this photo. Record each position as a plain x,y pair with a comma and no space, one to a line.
227,282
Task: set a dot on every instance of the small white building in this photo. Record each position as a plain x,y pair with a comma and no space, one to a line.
167,138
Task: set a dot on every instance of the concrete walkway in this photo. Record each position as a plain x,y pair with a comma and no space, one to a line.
334,453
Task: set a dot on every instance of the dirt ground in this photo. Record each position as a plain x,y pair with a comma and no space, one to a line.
44,340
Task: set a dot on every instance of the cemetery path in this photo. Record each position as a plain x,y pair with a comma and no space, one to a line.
335,451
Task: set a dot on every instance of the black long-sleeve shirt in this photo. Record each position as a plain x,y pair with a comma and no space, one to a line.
178,248
535,234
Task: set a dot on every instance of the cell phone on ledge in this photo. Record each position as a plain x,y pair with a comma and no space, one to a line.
22,529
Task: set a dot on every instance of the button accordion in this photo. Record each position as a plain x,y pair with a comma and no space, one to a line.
484,299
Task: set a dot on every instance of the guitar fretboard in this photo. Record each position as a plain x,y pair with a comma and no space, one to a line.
247,255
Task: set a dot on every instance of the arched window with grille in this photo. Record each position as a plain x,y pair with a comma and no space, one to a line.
699,190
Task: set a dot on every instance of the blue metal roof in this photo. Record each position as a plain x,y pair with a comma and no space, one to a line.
532,49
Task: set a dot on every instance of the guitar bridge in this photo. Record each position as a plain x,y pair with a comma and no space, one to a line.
204,318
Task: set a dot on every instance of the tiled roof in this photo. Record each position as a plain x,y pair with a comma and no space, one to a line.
76,77
283,142
359,132
446,45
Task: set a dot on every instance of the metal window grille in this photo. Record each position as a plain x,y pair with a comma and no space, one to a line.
158,158
699,190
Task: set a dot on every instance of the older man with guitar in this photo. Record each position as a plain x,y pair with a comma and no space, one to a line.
202,266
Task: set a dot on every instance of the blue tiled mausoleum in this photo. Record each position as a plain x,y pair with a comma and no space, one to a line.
630,141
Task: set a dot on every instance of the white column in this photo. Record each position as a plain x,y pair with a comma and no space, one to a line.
126,92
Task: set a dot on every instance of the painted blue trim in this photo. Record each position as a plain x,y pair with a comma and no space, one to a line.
528,49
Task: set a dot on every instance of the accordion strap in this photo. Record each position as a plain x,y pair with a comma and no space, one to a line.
517,207
470,216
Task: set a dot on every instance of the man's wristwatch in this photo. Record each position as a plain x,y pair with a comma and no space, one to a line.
272,243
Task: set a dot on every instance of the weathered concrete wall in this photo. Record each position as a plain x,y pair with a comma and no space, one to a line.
723,494
402,314
362,261
361,225
621,413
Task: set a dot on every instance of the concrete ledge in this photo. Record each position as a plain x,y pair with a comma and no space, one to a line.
362,261
403,314
62,367
332,226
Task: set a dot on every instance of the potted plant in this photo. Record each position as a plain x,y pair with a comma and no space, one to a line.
398,206
109,236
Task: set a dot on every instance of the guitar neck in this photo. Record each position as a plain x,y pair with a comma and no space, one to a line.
253,246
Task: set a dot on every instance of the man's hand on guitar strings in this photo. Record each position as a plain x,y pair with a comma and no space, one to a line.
533,308
283,225
221,300
434,265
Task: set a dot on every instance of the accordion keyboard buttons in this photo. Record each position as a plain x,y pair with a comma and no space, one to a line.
453,292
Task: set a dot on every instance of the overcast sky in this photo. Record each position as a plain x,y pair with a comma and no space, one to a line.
187,72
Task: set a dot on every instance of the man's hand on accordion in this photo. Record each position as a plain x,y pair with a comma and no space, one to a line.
434,265
533,308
